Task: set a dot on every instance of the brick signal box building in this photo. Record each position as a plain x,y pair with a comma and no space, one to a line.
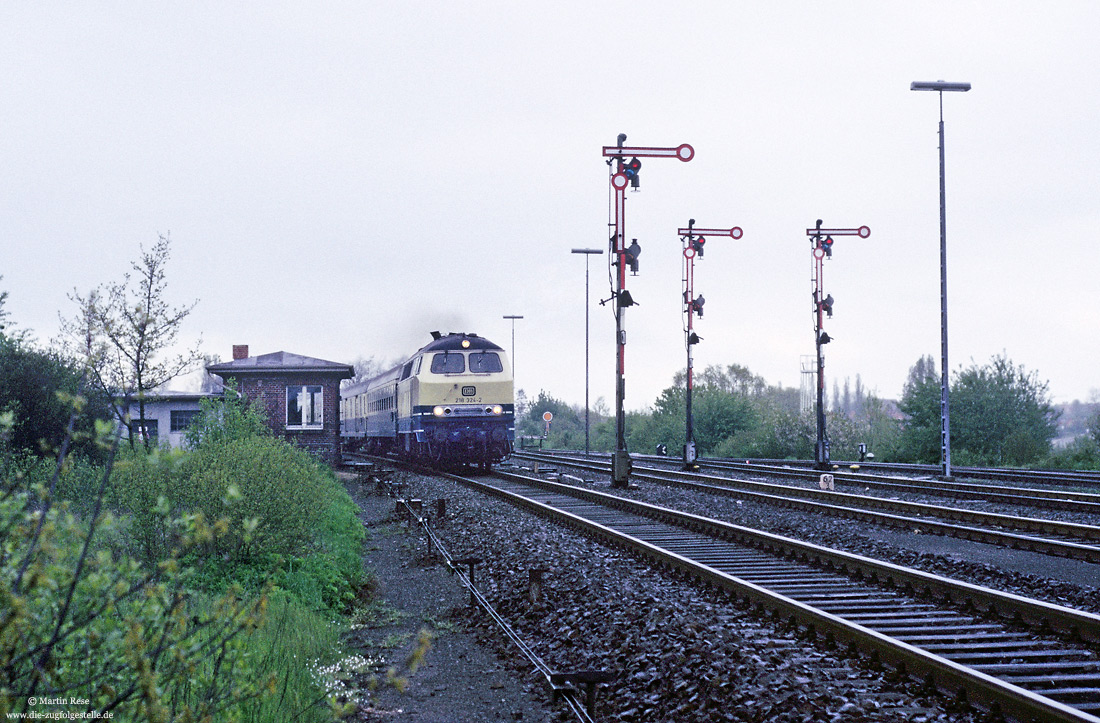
300,396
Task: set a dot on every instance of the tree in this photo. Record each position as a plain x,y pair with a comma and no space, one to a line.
920,402
124,330
733,379
3,314
367,368
883,431
566,429
36,386
1002,413
723,404
860,398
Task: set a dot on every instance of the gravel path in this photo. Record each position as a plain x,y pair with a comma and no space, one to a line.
680,652
458,679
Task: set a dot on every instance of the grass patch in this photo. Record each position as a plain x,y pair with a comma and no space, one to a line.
298,645
376,614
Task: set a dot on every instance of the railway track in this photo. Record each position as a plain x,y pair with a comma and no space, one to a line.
1055,499
1026,659
1065,478
1051,537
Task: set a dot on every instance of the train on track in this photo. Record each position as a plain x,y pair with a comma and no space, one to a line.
450,403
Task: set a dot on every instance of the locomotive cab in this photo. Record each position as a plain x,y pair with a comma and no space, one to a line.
450,403
462,397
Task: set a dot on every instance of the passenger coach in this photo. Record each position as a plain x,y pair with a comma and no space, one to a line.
450,403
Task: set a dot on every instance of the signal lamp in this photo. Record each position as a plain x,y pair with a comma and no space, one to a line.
824,338
697,305
694,338
697,245
827,305
631,170
827,244
631,254
625,299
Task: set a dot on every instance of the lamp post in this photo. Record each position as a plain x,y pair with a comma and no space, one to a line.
513,318
587,253
945,407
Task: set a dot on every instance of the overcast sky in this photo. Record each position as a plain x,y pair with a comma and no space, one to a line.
341,178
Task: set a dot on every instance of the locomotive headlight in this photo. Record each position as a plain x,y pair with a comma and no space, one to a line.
438,411
497,409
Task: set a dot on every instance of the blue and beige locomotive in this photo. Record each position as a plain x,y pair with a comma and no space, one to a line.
450,403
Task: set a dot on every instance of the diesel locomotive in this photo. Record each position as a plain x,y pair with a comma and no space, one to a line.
450,403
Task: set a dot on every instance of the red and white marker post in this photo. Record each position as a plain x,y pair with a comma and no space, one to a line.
821,248
624,173
693,239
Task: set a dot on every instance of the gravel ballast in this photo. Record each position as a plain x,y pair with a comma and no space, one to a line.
679,652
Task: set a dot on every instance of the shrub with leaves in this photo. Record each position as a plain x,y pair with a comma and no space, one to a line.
79,622
267,489
226,419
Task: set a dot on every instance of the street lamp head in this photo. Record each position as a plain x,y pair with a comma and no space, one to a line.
939,85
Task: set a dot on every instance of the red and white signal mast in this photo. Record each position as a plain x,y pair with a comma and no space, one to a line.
626,173
821,248
694,239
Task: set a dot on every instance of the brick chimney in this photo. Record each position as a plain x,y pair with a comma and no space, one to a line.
240,351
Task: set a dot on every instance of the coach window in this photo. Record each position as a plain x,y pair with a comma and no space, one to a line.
448,363
487,362
304,407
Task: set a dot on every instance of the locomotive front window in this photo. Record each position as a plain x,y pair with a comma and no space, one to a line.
485,362
448,363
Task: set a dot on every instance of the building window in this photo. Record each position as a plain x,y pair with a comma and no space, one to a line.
181,419
304,407
147,430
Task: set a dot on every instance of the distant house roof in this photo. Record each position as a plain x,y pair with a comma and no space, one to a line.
170,396
281,362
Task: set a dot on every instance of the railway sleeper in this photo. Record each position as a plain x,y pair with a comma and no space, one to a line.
936,673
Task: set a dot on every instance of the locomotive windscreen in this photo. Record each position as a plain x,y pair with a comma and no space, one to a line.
485,362
446,363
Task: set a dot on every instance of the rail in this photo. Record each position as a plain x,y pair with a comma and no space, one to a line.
1063,539
851,623
554,680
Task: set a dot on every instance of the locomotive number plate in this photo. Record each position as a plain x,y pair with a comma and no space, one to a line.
469,391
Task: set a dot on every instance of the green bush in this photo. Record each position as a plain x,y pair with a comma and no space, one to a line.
226,419
78,621
269,491
277,512
158,610
140,483
1081,453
